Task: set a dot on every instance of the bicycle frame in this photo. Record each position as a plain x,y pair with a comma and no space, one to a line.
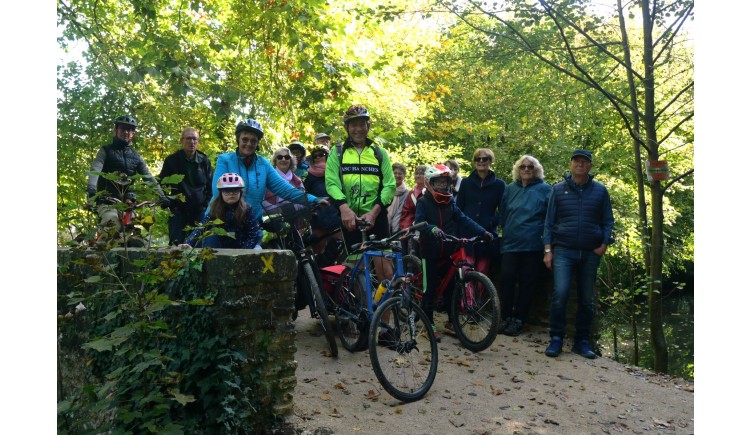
459,262
361,269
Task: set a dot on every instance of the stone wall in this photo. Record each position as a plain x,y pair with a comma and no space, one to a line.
255,299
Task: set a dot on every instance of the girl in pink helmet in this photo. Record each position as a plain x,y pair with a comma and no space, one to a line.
238,220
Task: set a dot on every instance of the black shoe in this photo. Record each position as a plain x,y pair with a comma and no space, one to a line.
582,348
514,328
503,324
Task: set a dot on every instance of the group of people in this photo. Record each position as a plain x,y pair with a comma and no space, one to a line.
566,227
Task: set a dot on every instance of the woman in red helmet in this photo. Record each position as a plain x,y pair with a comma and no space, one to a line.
236,215
438,208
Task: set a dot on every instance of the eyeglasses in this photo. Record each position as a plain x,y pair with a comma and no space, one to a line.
316,155
126,129
283,157
482,159
231,191
525,167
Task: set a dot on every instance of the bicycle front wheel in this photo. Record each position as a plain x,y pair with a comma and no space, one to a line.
404,354
352,315
475,311
318,307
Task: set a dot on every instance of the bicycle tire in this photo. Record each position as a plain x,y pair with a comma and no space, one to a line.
405,362
475,311
352,316
318,307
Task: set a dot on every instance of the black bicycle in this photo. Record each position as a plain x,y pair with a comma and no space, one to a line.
290,222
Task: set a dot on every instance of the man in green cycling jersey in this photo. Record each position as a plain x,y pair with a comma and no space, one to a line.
361,183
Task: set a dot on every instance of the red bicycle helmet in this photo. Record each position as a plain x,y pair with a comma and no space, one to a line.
435,172
230,180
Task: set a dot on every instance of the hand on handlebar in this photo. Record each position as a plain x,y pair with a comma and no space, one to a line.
437,232
487,236
348,218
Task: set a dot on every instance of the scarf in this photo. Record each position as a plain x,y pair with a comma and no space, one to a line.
398,201
287,177
318,169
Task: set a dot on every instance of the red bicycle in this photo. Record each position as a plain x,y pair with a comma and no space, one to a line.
475,305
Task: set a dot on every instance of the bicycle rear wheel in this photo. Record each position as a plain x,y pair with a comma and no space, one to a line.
475,311
318,307
352,316
404,354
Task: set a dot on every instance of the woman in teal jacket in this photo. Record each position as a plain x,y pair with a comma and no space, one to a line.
522,213
255,170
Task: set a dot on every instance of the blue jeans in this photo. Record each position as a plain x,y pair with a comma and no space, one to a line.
582,264
219,242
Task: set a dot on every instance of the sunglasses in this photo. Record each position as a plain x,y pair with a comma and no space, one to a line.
524,167
316,155
482,159
284,157
231,191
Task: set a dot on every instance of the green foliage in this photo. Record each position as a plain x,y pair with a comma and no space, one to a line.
141,326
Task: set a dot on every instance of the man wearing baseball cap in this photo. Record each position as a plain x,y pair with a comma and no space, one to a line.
577,231
322,139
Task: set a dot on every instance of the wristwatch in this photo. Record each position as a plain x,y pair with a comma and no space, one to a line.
547,251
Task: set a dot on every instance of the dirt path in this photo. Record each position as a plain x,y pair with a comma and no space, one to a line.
510,388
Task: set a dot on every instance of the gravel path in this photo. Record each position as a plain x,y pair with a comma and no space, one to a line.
510,388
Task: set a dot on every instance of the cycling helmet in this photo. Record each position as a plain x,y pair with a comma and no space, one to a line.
321,136
320,149
356,111
126,120
249,125
230,180
433,173
297,145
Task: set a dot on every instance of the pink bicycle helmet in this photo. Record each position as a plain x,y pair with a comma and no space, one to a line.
230,180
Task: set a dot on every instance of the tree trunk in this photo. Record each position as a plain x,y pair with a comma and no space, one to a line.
657,211
655,285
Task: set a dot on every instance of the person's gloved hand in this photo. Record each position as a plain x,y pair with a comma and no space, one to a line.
487,236
437,232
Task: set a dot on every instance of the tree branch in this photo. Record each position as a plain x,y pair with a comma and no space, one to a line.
666,106
672,130
676,179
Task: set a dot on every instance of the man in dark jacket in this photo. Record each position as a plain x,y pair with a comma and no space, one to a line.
118,157
577,231
195,185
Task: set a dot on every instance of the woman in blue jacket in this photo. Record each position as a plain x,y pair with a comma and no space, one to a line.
522,215
255,170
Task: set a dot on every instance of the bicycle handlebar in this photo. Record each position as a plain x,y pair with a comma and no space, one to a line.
465,241
384,242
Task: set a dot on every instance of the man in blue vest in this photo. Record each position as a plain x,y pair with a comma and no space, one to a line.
577,231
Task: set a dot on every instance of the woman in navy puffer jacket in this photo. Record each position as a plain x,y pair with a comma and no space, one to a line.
479,198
